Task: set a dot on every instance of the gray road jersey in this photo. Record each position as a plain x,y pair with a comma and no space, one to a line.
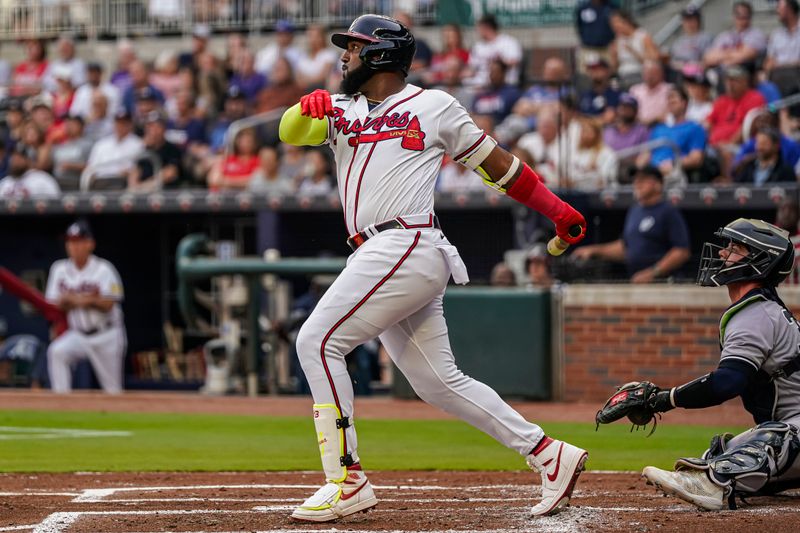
766,336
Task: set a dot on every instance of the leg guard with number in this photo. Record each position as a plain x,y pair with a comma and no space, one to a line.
330,426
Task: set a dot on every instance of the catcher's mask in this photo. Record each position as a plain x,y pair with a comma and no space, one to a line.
389,45
770,256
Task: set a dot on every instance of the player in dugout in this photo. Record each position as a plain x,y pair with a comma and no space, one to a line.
388,139
759,339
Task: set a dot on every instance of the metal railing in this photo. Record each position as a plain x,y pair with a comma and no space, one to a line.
115,18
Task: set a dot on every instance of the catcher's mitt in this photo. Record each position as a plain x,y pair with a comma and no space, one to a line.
637,400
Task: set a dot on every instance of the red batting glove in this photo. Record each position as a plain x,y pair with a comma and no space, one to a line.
566,220
317,104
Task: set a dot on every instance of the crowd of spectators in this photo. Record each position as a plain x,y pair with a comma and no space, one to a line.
588,124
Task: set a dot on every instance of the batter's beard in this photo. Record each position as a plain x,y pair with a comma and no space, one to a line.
354,79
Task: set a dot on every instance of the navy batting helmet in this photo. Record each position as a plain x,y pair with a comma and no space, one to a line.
389,44
769,260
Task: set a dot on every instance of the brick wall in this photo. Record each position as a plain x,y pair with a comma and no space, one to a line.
614,334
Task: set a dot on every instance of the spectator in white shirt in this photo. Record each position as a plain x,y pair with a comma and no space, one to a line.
65,49
317,62
542,144
282,47
82,102
594,165
115,155
24,181
493,45
783,52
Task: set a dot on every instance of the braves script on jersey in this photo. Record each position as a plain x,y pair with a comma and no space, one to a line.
92,333
388,158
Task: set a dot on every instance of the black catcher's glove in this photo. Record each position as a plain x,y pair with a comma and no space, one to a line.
639,401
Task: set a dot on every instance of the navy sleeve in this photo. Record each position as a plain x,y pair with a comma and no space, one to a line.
678,232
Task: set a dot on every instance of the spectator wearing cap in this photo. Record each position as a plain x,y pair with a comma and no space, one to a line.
140,84
727,116
82,103
114,156
626,130
652,94
234,170
631,48
200,36
492,45
768,166
538,269
698,87
146,102
689,137
121,77
783,52
246,79
282,46
655,239
282,91
499,97
593,25
26,79
235,109
70,157
66,63
691,45
143,176
739,45
318,60
790,149
24,180
601,98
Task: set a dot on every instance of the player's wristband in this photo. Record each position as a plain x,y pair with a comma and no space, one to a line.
530,191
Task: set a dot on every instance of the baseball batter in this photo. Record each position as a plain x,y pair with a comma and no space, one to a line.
759,338
389,139
89,290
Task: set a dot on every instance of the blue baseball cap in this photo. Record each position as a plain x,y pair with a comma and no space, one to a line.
284,26
79,230
628,99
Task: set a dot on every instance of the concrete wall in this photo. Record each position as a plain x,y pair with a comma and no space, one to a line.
611,334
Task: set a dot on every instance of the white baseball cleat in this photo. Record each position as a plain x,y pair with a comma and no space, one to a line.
559,464
692,486
336,500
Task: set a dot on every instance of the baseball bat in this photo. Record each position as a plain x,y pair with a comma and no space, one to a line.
558,246
25,292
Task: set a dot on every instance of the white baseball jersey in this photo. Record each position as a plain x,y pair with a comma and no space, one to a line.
98,276
388,158
32,184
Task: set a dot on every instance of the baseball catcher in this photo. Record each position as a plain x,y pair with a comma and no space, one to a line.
760,361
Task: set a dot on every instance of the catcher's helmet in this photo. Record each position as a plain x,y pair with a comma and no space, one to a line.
389,44
770,258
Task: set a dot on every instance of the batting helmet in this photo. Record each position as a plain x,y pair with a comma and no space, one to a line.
769,260
389,44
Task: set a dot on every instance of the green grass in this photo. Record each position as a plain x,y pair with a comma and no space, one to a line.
182,442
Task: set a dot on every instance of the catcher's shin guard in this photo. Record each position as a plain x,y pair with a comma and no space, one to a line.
347,489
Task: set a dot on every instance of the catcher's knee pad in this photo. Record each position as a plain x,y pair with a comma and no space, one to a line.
752,458
330,426
718,445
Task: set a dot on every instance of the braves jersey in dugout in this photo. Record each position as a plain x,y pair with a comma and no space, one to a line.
388,158
98,276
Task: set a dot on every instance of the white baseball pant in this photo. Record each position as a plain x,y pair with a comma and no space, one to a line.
392,288
105,351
